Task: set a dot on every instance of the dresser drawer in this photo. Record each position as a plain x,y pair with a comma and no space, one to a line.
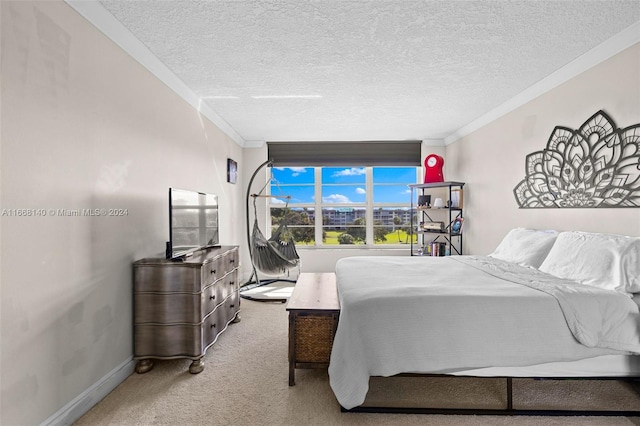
220,318
213,325
231,281
183,308
161,278
168,308
176,340
219,267
231,306
214,270
231,260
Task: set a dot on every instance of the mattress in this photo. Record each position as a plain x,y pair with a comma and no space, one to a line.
471,315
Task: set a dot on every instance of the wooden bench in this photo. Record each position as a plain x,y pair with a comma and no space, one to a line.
314,310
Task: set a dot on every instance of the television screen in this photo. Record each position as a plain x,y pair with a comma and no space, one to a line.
193,219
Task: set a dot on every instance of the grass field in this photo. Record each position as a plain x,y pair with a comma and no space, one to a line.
392,238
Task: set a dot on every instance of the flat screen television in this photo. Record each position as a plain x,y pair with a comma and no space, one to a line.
193,222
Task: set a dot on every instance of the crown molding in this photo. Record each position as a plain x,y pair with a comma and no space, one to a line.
433,142
616,44
100,17
254,144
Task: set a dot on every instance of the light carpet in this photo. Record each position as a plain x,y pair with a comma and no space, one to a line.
245,382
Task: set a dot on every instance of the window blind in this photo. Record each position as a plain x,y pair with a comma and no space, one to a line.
365,153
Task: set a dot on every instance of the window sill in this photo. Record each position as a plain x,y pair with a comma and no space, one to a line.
406,248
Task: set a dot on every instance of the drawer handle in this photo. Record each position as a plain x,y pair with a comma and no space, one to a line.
213,325
232,282
213,271
232,261
231,306
212,297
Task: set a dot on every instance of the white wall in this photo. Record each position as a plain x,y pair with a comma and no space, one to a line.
85,126
492,159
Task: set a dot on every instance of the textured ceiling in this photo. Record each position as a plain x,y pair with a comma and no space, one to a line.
365,70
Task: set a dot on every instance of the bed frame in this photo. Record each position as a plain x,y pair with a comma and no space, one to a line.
509,410
314,311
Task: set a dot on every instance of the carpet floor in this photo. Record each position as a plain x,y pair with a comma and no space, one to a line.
245,382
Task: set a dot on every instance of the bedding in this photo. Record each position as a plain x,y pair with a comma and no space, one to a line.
449,314
602,260
526,247
621,366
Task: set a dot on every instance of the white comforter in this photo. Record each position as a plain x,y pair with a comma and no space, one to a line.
446,314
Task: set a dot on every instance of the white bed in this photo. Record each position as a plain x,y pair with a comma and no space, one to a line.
497,315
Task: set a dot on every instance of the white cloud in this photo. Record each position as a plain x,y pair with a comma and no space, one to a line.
295,171
336,198
360,191
354,171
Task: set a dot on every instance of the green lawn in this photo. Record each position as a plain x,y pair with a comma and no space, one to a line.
392,238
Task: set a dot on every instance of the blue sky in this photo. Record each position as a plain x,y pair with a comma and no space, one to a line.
344,185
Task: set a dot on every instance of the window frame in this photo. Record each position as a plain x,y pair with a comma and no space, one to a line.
368,205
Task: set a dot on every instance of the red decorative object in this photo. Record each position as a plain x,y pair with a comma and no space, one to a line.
433,168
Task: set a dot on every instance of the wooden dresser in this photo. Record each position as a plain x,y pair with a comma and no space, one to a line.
314,310
180,307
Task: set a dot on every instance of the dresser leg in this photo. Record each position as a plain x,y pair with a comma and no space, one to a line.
237,319
197,366
143,366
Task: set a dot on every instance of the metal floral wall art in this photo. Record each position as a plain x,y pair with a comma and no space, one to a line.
597,165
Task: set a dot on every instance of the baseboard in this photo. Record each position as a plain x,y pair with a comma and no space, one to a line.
90,397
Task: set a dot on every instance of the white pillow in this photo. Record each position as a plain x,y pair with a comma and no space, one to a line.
527,247
600,260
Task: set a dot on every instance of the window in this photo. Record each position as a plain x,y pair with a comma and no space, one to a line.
391,204
359,205
295,185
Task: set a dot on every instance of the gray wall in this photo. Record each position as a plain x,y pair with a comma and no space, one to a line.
85,126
